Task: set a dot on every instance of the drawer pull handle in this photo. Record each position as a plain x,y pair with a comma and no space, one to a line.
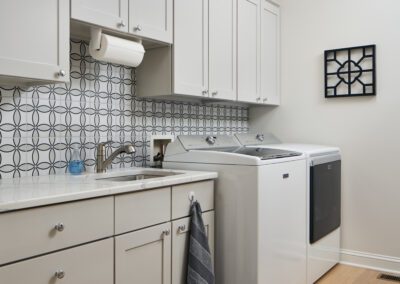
59,227
181,228
60,274
166,232
285,175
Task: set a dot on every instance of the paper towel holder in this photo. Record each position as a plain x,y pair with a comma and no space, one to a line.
95,38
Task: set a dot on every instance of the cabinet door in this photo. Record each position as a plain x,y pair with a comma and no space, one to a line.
180,242
87,264
248,51
191,47
35,40
111,14
222,49
282,223
144,256
270,47
151,19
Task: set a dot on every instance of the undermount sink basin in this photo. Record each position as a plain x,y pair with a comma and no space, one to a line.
139,176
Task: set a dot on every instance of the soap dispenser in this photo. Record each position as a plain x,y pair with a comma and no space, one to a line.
75,166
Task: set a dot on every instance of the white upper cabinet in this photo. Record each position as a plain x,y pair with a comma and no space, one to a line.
258,52
35,41
202,61
222,49
151,19
180,70
190,57
249,51
111,14
270,53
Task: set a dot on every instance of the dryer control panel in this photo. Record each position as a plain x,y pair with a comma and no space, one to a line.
251,139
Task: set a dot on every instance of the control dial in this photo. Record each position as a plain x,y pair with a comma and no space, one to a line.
260,137
211,140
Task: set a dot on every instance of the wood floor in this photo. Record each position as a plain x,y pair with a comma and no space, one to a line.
343,274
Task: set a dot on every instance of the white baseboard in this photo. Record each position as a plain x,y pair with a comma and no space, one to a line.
378,262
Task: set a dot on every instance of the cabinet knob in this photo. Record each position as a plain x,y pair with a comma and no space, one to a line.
166,232
215,93
265,99
258,99
204,92
138,28
59,227
181,228
122,24
60,274
62,73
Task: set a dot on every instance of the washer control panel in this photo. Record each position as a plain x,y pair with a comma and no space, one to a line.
192,142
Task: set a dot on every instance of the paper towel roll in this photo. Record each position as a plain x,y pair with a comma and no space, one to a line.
118,50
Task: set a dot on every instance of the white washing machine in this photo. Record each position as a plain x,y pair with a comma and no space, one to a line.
323,200
260,208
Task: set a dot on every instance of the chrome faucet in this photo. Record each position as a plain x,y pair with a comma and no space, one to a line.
102,162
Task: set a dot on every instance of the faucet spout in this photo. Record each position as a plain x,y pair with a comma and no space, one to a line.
102,163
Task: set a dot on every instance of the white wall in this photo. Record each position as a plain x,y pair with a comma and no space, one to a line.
366,129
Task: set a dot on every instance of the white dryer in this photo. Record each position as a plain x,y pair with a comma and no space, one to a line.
260,208
323,199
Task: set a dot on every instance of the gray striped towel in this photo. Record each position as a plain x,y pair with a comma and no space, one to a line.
200,267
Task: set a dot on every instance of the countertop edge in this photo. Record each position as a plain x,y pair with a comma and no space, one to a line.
114,189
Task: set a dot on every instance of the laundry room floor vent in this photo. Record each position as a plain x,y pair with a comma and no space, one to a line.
389,277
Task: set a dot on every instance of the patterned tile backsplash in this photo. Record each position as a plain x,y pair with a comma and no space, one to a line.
40,125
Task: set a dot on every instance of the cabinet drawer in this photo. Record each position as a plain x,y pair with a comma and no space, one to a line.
32,232
142,209
203,192
92,263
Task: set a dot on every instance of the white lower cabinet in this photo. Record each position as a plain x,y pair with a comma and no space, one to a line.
135,237
54,227
144,256
92,263
180,242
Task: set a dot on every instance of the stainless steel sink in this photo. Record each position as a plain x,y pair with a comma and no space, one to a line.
139,176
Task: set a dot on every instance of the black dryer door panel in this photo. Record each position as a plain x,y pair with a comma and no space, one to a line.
325,199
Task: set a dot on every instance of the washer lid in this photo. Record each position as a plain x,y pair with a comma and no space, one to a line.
261,153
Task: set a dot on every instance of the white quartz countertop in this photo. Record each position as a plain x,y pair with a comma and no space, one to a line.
26,192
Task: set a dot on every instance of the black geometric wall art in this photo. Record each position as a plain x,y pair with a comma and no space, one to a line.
350,72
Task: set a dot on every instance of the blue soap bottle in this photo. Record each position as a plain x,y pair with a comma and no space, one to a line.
76,166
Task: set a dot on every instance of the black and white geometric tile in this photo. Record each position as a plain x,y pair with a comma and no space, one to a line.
40,125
